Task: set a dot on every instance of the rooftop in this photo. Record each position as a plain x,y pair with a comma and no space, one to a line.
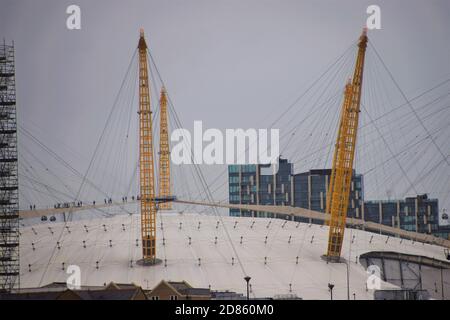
197,248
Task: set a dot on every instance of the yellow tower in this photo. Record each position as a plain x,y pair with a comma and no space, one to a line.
344,153
164,154
146,163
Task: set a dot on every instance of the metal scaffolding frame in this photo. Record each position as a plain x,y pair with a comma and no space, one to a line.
9,186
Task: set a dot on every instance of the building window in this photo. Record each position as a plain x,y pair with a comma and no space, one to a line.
173,297
155,297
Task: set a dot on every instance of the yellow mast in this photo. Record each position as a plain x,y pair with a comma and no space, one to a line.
146,163
344,153
164,153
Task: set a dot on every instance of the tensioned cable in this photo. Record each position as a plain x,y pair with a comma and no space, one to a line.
330,79
56,157
390,151
409,104
386,114
200,174
293,104
90,164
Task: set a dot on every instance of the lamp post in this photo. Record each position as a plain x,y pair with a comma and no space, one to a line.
247,279
348,279
331,286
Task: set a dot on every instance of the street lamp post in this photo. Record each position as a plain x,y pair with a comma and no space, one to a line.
331,286
247,279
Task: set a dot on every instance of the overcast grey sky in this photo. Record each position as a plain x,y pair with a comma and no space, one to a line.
229,63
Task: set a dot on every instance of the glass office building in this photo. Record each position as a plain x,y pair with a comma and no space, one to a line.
418,214
259,184
262,185
310,192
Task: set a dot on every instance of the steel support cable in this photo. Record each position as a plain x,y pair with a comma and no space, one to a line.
390,131
374,99
390,151
46,186
415,158
378,101
422,175
70,150
210,198
128,128
26,195
128,190
62,161
124,97
32,172
115,124
338,79
90,164
409,104
312,85
56,156
334,128
374,120
370,97
49,151
333,64
405,119
178,168
394,139
330,79
397,118
118,148
35,181
115,154
199,173
326,127
120,165
406,148
334,97
437,178
175,124
319,121
47,169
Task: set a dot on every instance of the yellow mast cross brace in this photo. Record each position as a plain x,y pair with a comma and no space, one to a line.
146,163
344,153
164,154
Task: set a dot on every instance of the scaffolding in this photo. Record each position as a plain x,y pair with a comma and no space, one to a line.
9,195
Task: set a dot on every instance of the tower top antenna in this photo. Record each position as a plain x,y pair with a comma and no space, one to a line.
364,32
142,43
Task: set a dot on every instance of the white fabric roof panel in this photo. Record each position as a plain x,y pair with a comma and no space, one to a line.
309,278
